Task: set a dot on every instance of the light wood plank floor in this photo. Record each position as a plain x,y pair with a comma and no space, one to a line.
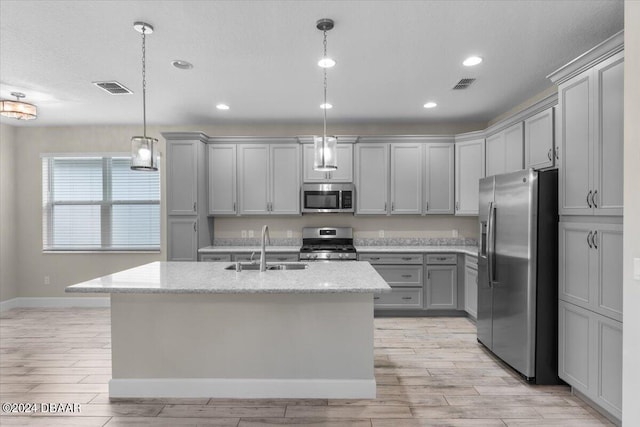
430,372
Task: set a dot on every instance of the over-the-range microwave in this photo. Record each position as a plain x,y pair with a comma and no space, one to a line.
328,198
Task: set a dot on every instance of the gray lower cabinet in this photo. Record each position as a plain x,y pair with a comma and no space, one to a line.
471,286
441,288
590,355
183,238
404,273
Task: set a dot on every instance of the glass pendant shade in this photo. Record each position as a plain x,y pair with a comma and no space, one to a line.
18,110
144,153
325,158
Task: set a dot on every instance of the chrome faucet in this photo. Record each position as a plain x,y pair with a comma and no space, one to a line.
263,256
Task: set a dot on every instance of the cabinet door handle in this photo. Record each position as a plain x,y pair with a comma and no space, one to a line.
428,275
282,258
407,298
406,258
457,206
593,239
376,297
557,153
549,154
194,206
427,207
589,195
374,258
194,227
385,206
391,206
234,206
589,239
407,275
593,199
441,258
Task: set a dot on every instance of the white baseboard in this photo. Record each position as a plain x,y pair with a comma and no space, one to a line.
33,302
242,388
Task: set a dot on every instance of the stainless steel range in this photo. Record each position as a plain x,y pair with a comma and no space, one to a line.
327,244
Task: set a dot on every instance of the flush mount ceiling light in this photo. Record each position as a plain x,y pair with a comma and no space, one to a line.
144,148
18,109
471,61
324,147
326,106
222,107
430,105
183,65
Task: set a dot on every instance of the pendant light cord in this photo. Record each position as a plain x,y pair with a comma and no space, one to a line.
144,82
325,91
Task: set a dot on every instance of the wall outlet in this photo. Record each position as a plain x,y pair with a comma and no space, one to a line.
243,233
289,234
381,233
454,233
47,281
251,233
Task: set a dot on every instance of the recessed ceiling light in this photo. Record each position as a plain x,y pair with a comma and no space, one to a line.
326,106
183,65
326,62
430,105
222,107
471,61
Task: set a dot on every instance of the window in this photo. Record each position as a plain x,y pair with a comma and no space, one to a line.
97,203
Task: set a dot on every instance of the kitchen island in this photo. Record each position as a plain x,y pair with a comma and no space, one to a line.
187,329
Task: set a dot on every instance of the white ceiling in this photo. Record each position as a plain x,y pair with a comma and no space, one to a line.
260,58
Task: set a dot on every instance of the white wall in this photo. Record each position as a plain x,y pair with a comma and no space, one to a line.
67,269
631,332
8,218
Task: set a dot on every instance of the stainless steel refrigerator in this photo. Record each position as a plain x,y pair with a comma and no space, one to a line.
518,271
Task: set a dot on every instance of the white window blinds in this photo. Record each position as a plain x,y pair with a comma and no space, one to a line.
98,203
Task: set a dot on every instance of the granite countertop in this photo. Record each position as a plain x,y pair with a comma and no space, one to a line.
211,278
468,250
248,249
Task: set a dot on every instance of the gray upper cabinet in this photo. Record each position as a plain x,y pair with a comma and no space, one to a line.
222,179
371,178
344,173
284,191
469,168
591,267
504,150
182,177
590,132
539,149
269,179
438,178
406,178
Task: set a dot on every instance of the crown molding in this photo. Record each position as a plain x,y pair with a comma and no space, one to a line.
543,104
408,138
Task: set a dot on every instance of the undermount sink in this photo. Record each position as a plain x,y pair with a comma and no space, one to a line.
254,267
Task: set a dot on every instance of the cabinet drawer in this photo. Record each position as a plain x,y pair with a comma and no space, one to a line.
399,298
401,275
215,257
391,258
272,257
442,259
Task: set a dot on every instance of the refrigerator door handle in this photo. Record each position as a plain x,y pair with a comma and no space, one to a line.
491,242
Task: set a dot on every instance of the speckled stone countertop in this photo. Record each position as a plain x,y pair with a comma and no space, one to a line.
248,249
212,278
468,250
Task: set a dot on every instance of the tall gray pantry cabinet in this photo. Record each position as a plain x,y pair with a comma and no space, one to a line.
187,223
590,136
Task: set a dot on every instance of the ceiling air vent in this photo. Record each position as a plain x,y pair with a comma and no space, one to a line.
463,84
114,88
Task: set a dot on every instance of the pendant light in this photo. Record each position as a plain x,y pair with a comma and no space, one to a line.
18,109
144,148
324,147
